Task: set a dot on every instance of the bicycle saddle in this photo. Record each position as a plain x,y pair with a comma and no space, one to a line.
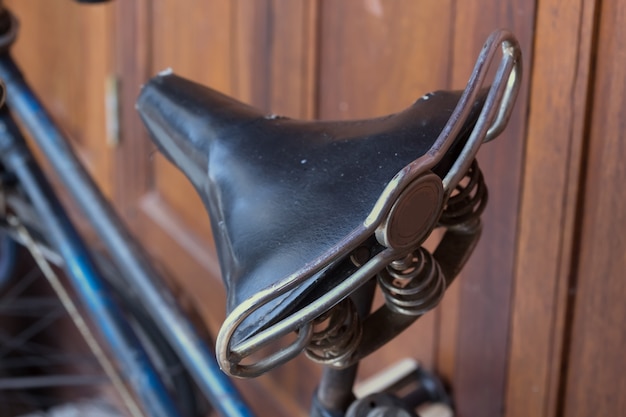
290,201
281,192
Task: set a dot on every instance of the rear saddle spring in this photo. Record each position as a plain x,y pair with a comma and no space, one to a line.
468,200
411,286
336,334
416,284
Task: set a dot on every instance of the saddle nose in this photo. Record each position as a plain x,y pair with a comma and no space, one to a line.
183,119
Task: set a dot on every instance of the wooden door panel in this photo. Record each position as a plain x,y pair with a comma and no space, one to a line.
548,212
476,360
276,54
194,39
65,52
378,57
595,368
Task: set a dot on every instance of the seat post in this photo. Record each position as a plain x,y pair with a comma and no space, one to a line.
335,393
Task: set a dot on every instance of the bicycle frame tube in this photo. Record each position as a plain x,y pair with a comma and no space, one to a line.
197,357
83,273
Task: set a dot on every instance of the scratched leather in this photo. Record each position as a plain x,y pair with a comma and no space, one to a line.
280,192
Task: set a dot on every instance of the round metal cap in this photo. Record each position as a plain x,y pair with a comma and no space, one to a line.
414,214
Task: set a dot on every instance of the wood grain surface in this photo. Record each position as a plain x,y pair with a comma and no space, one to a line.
595,371
66,54
479,349
549,206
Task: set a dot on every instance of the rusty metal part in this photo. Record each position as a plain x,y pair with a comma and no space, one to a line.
339,335
414,287
467,201
414,214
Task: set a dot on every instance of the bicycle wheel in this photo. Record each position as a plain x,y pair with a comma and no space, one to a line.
41,371
37,367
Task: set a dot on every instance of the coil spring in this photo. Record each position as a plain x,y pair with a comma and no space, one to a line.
414,285
468,199
336,335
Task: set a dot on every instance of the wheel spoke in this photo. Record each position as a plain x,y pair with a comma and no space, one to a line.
49,381
32,330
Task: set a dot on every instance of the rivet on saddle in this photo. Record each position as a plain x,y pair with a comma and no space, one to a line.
291,202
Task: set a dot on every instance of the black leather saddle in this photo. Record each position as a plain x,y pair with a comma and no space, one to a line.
281,192
305,212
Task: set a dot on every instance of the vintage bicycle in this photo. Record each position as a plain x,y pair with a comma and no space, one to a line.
310,218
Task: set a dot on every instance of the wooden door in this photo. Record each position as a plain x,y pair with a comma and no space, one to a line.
536,314
594,379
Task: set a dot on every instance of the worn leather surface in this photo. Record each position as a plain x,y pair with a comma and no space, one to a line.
280,192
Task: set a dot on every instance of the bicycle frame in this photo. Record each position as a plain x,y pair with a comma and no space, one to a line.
82,270
195,354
